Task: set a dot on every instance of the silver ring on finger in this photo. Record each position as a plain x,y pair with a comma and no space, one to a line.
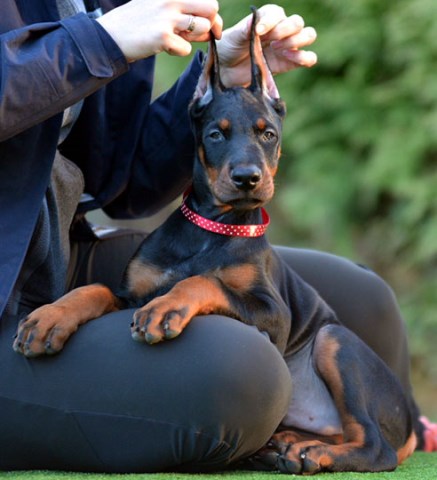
191,24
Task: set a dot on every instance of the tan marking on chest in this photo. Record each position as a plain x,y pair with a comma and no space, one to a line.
143,279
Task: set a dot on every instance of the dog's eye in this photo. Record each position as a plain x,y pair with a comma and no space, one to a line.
216,135
269,135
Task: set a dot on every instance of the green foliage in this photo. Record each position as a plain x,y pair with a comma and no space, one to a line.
358,175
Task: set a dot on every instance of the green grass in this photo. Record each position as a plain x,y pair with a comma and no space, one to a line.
421,466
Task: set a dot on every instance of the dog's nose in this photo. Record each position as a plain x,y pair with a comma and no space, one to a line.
246,177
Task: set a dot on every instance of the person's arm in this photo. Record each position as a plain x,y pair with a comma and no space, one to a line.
46,67
163,161
136,155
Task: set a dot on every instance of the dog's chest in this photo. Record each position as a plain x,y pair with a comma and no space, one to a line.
162,263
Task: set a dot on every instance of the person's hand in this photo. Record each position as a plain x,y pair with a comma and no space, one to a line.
142,28
282,38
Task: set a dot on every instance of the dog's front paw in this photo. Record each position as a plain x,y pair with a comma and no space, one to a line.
161,319
44,331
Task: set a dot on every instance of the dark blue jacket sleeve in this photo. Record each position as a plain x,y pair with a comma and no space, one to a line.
46,67
136,154
163,160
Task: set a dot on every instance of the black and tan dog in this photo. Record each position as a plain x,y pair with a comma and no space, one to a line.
348,411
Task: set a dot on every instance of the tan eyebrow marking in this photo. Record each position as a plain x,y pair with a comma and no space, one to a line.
224,124
261,123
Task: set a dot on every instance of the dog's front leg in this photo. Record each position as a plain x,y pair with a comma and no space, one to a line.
165,317
46,329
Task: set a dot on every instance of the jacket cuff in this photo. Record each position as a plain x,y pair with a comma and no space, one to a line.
102,56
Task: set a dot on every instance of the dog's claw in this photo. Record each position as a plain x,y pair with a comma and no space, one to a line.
151,339
288,466
170,334
158,321
137,337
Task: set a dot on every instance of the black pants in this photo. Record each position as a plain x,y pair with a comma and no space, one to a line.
203,400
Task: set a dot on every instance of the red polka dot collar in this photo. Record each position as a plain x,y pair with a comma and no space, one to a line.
225,228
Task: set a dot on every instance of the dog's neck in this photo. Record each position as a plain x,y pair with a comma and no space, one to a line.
224,221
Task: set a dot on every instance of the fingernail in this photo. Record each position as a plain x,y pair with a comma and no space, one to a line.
311,32
298,21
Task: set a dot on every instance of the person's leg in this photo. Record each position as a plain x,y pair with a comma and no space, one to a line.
109,404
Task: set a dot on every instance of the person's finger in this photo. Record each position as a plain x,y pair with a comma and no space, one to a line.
302,58
305,37
273,25
200,17
192,25
287,27
217,27
176,45
201,8
269,17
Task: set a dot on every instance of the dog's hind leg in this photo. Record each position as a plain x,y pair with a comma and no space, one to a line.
377,427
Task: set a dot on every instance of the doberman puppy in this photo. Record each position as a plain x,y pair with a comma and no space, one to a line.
347,412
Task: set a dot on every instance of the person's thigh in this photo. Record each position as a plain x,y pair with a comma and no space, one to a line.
107,403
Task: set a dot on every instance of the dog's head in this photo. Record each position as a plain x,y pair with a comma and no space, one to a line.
238,133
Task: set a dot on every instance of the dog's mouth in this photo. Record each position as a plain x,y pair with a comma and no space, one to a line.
246,203
242,200
229,194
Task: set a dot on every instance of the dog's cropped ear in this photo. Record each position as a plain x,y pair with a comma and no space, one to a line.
262,79
209,83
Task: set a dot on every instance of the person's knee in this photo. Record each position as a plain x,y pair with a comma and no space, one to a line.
213,395
381,300
234,387
361,299
246,389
